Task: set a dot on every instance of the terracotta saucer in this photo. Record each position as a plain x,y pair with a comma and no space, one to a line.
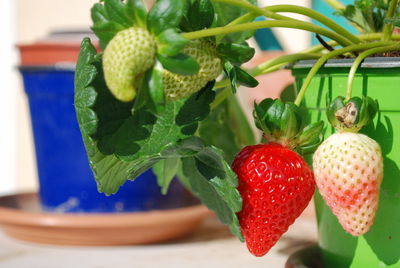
21,218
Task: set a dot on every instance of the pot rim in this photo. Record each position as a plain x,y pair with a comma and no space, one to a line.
371,62
60,66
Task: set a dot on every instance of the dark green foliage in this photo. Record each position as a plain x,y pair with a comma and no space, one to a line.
283,122
368,15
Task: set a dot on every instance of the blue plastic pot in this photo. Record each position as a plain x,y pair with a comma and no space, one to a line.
66,183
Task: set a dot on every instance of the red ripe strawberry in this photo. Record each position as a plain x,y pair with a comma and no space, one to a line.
276,185
275,182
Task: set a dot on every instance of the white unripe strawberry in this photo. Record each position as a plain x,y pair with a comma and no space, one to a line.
179,86
348,168
128,55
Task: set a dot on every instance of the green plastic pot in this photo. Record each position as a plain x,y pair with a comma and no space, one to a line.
378,78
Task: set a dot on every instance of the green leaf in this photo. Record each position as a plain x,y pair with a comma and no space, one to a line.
110,17
205,172
228,193
230,72
260,114
200,15
227,128
170,42
310,133
227,13
273,118
182,178
245,79
310,147
394,21
135,142
165,14
116,12
356,16
123,145
237,76
217,194
89,93
137,10
165,171
209,164
156,87
236,53
85,95
194,110
289,122
105,31
368,15
182,64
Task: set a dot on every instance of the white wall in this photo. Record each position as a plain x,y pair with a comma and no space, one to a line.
8,97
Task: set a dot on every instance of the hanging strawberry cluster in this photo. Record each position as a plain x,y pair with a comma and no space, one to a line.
151,100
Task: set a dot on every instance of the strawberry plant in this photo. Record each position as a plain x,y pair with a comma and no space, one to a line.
161,95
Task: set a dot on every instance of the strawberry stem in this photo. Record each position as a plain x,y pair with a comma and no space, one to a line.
260,69
359,60
330,55
363,37
278,63
268,24
254,9
388,28
335,4
312,14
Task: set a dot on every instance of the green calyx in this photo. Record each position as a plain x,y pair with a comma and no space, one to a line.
351,115
283,122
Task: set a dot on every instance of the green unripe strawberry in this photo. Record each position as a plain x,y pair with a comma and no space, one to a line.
179,86
128,55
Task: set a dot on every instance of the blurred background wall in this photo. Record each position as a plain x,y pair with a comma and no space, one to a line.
29,20
8,96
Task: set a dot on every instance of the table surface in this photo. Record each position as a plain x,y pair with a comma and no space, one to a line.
211,245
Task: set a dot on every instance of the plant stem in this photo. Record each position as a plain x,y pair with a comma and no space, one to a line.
359,60
316,16
226,92
332,54
388,28
268,24
335,4
270,13
252,8
376,36
364,37
278,63
222,84
260,69
255,11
